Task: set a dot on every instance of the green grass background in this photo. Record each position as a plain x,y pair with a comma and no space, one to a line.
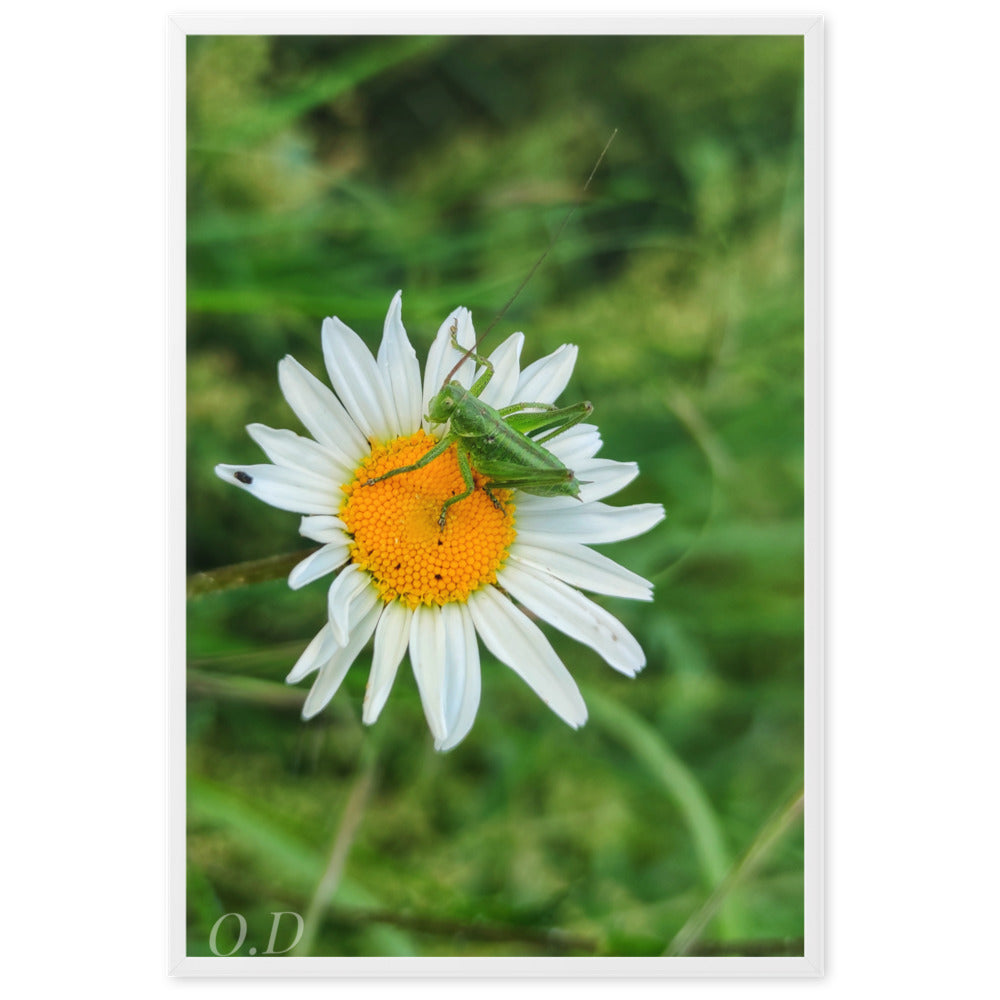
326,173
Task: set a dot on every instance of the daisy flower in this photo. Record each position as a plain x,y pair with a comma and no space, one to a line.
413,584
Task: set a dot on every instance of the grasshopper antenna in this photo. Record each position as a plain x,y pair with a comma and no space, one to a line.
534,267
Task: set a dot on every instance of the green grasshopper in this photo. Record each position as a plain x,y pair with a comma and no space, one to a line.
496,442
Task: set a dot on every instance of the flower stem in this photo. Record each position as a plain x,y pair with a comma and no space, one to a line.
245,573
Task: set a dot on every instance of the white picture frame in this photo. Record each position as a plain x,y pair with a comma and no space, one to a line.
811,963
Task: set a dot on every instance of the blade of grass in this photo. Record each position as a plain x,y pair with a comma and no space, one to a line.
248,690
552,939
327,886
766,840
652,750
351,70
280,851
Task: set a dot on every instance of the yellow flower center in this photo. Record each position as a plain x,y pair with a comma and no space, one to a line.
397,537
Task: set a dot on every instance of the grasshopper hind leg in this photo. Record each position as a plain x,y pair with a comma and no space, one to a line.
470,484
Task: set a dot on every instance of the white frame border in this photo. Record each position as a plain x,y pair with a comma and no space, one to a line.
812,964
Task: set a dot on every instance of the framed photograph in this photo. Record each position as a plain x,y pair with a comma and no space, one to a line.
496,510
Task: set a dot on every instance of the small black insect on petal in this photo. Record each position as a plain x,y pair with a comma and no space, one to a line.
243,477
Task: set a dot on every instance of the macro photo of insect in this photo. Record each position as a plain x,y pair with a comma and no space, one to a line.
502,654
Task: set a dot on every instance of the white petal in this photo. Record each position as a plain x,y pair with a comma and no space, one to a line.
321,412
466,336
400,369
437,358
591,524
294,452
506,365
515,640
582,567
355,375
321,562
442,357
599,478
334,671
427,656
350,596
461,722
391,639
574,615
453,680
576,445
544,380
287,489
323,528
319,650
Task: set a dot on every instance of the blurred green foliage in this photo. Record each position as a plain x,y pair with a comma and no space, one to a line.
324,173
